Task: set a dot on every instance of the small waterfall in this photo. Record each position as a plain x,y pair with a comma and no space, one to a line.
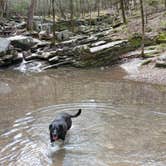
29,66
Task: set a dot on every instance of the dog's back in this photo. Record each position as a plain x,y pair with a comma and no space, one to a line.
67,117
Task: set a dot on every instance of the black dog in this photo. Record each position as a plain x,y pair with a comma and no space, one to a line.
59,127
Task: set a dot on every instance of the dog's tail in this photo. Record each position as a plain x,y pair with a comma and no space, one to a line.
77,114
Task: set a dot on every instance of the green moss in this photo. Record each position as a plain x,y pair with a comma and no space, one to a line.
135,41
163,23
161,47
146,62
150,55
151,47
161,38
61,26
106,57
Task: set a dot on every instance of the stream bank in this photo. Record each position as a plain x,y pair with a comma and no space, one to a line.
100,44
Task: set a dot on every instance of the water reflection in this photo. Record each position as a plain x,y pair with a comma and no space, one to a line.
72,86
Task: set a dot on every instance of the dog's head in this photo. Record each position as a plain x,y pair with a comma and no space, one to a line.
55,132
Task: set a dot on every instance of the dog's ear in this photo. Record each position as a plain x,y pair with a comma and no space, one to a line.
50,126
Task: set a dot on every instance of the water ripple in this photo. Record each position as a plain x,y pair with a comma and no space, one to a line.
102,135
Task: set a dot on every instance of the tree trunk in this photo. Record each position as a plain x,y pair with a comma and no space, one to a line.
61,10
2,7
98,8
143,27
146,15
123,11
53,20
82,7
72,15
135,4
31,11
90,13
49,7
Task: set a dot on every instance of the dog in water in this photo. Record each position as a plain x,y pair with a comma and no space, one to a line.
59,127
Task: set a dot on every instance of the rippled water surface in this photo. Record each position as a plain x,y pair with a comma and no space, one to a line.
123,123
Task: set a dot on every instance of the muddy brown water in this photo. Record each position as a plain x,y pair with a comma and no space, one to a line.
123,123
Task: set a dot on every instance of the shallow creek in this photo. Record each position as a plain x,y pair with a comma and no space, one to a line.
123,123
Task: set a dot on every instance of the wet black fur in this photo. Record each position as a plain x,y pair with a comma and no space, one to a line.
61,125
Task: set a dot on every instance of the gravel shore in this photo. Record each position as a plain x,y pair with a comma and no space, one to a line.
149,74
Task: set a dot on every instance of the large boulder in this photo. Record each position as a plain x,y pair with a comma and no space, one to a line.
22,42
10,59
101,55
8,56
64,35
4,46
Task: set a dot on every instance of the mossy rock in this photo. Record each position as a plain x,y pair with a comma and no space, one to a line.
62,25
161,38
146,62
151,54
105,57
136,40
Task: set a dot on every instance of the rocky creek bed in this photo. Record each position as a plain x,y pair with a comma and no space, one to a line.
88,47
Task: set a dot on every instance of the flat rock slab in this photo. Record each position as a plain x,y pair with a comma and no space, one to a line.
106,46
98,43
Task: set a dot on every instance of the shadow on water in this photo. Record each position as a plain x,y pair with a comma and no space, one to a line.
122,123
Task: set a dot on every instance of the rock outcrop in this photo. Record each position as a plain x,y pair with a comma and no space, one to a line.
8,55
22,42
